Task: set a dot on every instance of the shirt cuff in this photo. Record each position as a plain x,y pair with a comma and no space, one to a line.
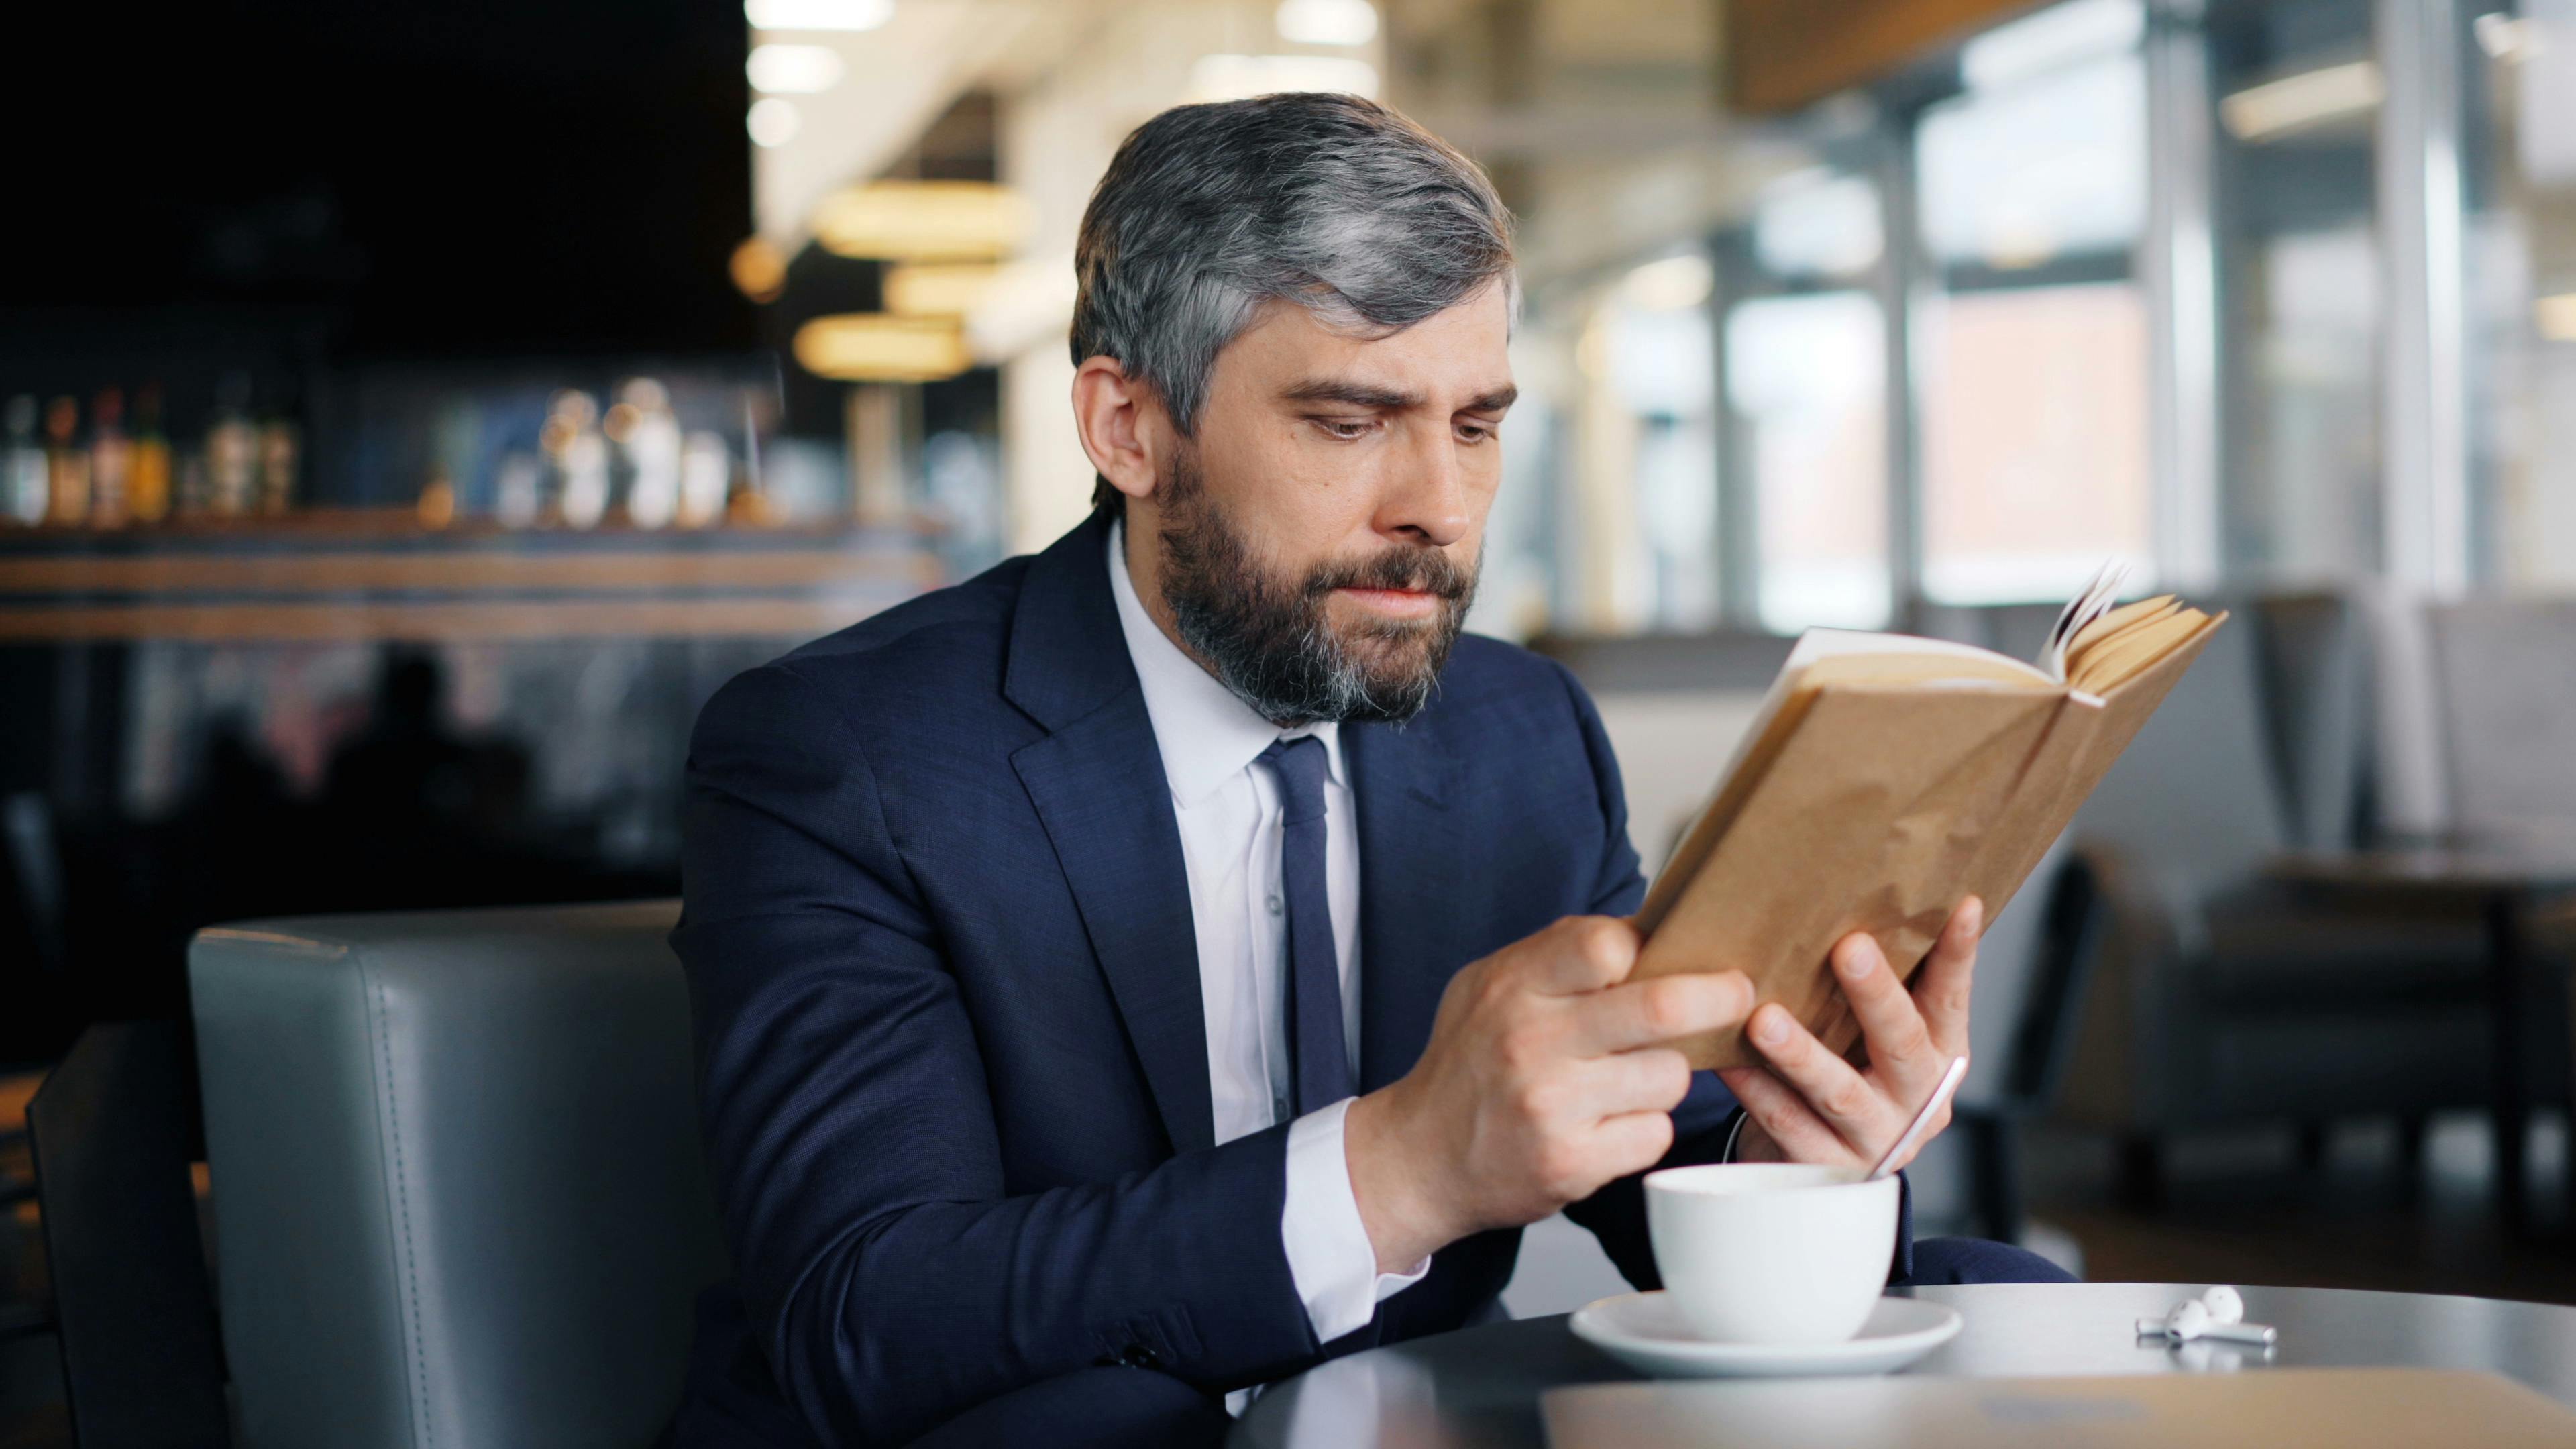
1329,1257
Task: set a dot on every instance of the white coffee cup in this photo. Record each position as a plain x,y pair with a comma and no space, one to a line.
1782,1253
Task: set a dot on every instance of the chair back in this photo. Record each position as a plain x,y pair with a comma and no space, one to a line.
2507,702
2314,656
457,1185
2193,805
2032,965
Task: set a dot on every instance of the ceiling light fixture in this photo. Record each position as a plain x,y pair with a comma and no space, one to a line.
922,221
1327,22
2298,102
773,122
817,14
759,270
938,289
2557,317
796,70
874,347
2507,39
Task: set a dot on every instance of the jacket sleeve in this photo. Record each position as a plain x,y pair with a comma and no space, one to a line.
888,1277
1616,1215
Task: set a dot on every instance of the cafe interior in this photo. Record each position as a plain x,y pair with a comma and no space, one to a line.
413,414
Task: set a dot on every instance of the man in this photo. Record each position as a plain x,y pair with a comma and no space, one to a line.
1149,968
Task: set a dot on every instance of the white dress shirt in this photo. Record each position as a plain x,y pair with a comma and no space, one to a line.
1228,810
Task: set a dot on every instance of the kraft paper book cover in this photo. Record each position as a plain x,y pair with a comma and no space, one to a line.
1887,777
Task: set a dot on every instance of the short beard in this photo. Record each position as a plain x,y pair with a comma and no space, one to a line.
1270,641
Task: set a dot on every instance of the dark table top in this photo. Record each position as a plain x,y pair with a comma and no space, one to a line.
2483,867
1481,1386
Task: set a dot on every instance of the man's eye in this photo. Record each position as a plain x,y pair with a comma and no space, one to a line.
1475,432
1346,429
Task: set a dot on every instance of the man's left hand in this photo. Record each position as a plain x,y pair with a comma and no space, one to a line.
1812,1105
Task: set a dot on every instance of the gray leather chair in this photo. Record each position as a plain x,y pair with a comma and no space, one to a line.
2225,997
2506,698
457,1187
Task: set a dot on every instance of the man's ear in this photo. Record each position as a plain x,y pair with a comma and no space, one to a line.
1119,419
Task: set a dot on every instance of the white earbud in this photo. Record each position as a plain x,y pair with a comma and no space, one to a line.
2218,1314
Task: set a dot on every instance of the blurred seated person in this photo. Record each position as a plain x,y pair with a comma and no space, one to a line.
418,814
408,764
1161,964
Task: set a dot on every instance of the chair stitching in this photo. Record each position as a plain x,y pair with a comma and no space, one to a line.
402,1205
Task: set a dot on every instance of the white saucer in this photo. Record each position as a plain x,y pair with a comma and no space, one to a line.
1647,1332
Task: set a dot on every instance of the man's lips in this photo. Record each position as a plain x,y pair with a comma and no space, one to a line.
1401,603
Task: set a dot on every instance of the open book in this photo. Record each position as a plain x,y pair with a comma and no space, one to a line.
1887,777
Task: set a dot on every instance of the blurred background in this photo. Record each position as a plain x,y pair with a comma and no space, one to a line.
413,413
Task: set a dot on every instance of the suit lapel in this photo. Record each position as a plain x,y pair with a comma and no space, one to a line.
1413,856
1097,783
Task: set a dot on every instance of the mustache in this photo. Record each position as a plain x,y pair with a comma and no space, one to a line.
1420,570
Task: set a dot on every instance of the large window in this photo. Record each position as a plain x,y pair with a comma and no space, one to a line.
2032,357
1807,380
1661,363
2298,93
2035,442
2522,290
2122,285
1806,391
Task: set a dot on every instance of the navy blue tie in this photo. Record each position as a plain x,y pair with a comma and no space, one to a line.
1318,1061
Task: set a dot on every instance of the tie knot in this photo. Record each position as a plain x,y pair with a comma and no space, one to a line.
1298,765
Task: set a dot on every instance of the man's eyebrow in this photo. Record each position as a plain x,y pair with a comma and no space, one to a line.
1368,395
1344,390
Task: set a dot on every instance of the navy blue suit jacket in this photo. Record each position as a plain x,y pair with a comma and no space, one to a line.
953,1063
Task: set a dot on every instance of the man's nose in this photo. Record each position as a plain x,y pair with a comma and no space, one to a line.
1426,494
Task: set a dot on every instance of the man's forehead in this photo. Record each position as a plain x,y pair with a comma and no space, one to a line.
1463,349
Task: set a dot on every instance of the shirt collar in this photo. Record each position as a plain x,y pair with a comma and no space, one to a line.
1206,734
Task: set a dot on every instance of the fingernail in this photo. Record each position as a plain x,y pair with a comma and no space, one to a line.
1771,1027
1854,960
1745,997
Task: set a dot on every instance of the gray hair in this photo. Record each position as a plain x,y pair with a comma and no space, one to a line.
1333,202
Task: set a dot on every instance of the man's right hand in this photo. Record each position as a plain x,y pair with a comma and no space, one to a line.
1542,1082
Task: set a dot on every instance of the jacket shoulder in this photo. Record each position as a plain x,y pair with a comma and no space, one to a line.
981,604
927,660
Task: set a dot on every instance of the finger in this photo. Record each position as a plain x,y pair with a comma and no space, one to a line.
1941,988
1634,1141
1644,1012
1652,1080
1581,953
1900,1046
1842,1097
1801,1135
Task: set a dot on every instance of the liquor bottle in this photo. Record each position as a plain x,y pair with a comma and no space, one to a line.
652,443
706,470
518,491
148,485
196,488
436,506
66,464
232,450
25,494
281,456
111,461
581,459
